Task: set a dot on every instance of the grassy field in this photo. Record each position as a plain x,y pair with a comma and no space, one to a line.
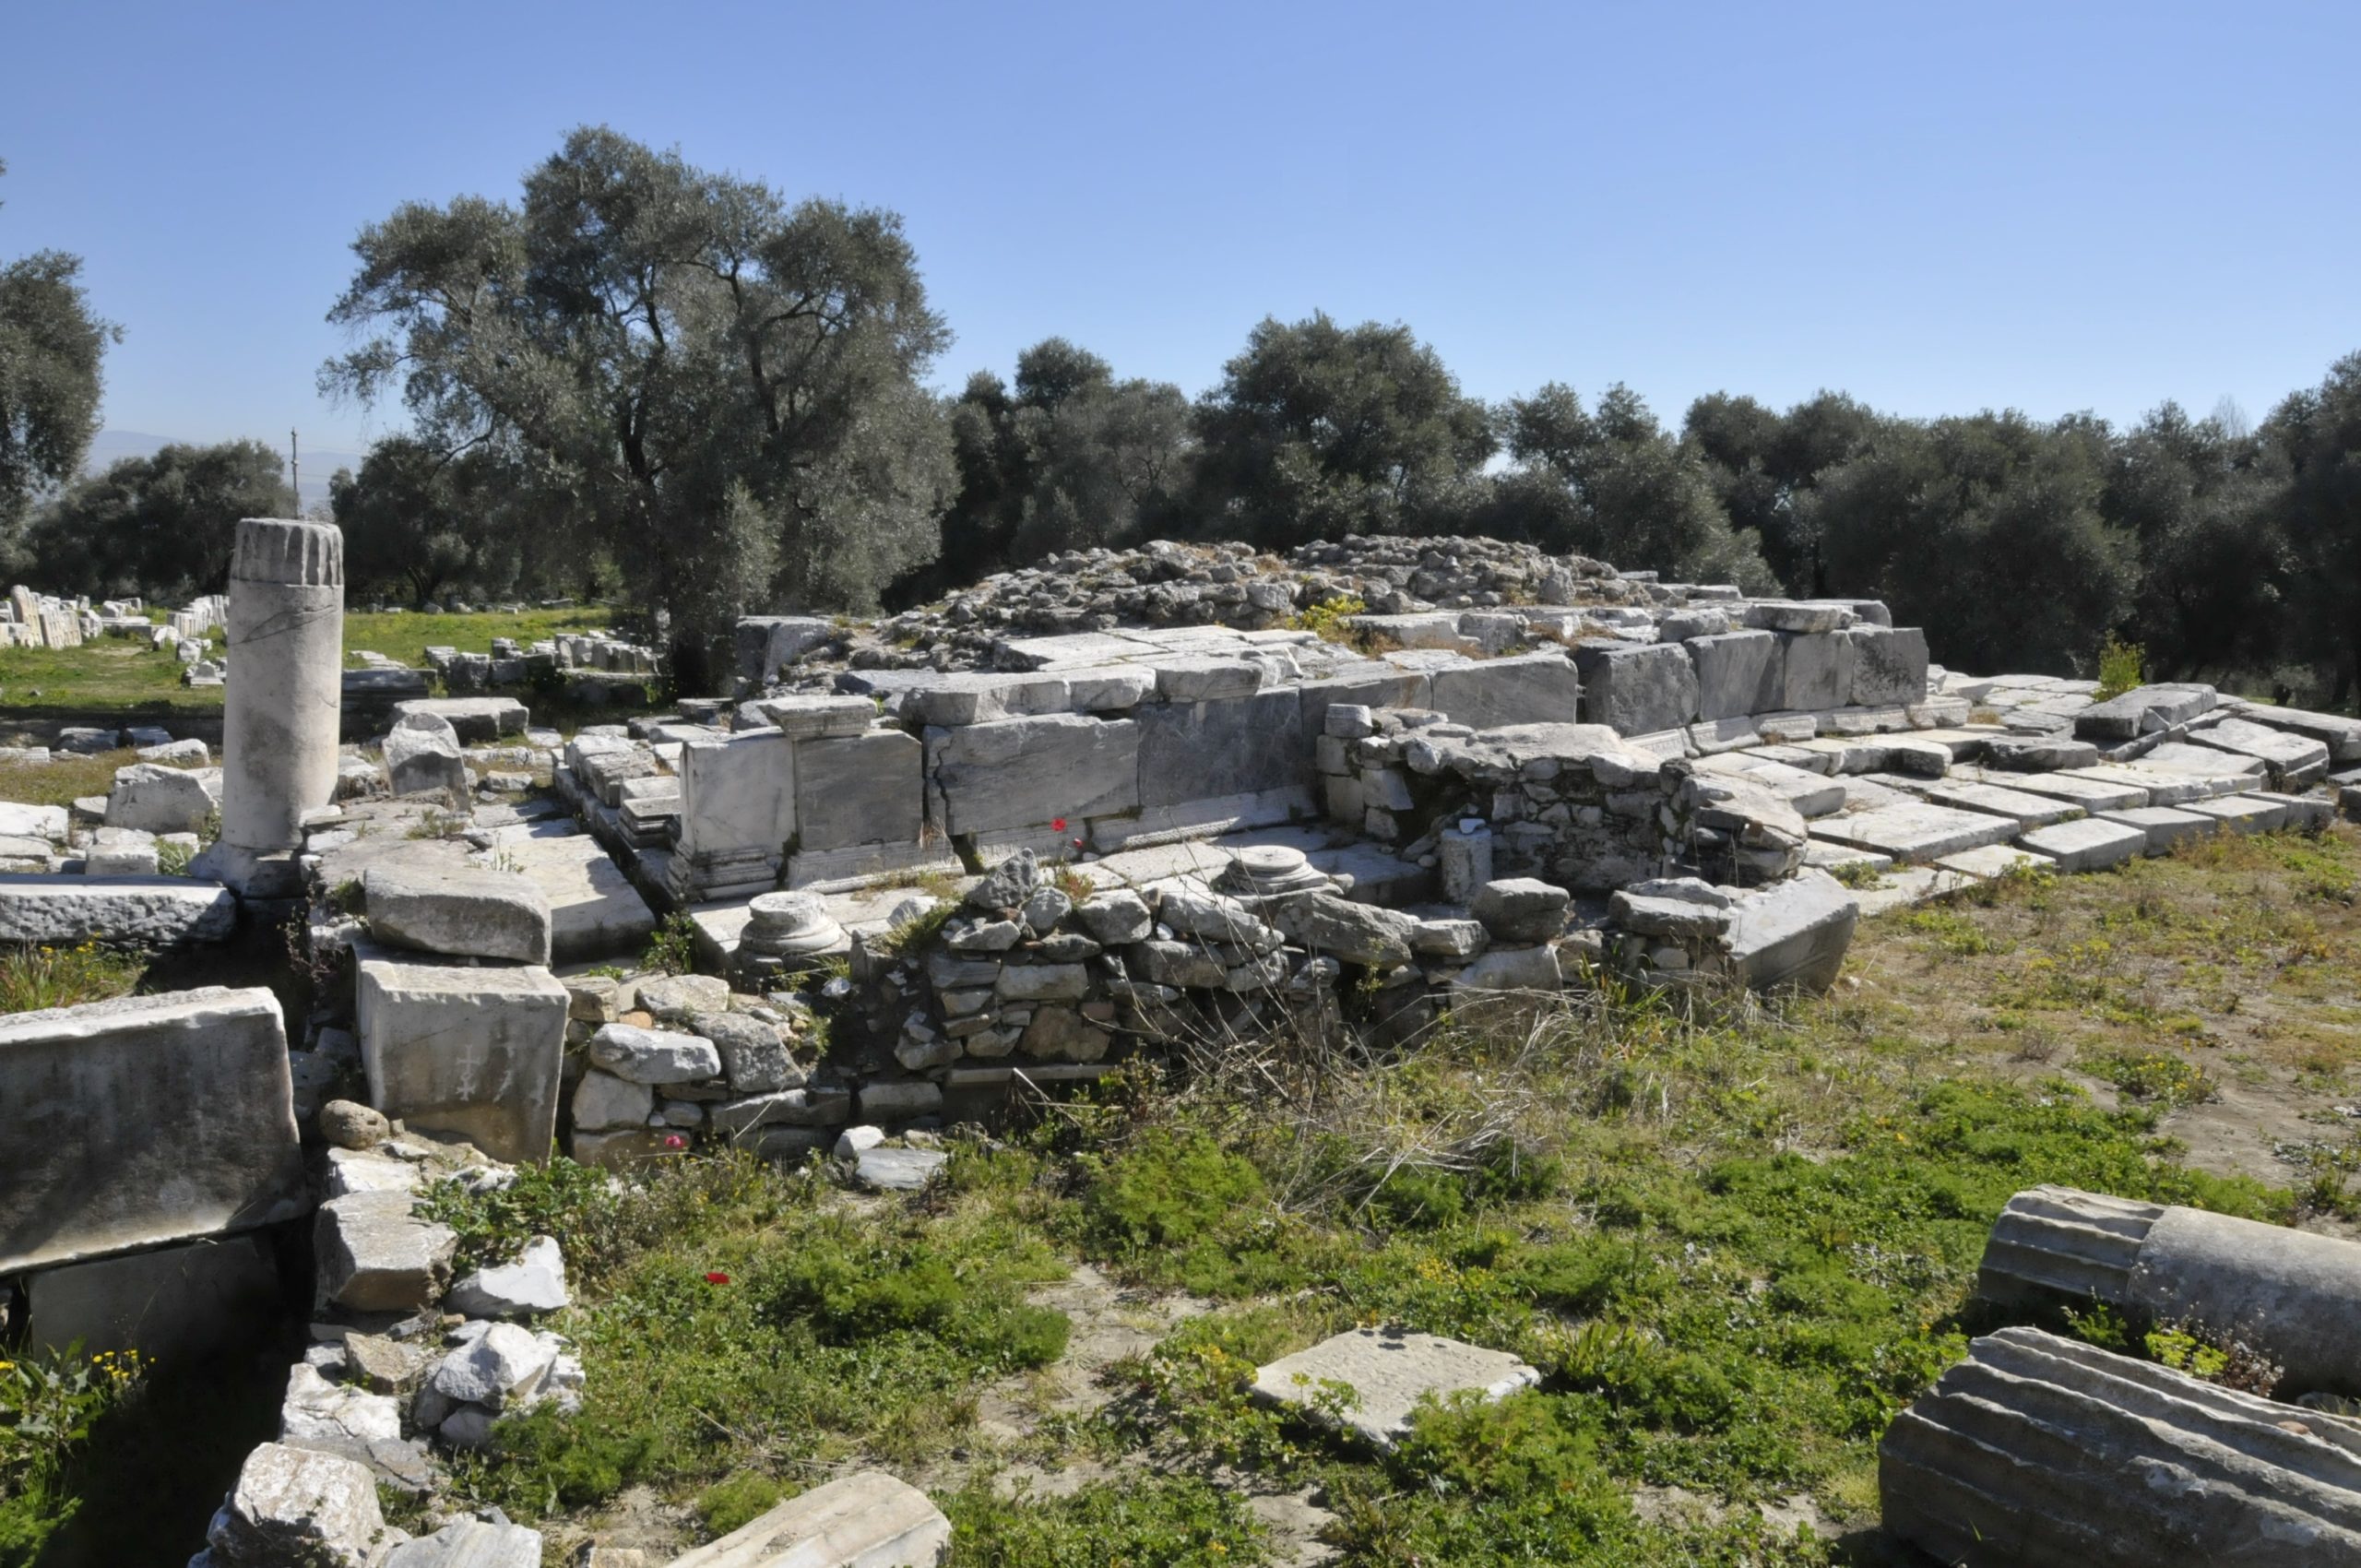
112,675
1735,1243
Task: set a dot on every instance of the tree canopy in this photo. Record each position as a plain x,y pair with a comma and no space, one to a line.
161,526
725,389
1316,431
51,350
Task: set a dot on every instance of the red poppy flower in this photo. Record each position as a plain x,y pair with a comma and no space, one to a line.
1057,824
1077,843
674,1140
716,1277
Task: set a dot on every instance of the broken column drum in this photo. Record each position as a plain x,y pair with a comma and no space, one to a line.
2287,1293
280,723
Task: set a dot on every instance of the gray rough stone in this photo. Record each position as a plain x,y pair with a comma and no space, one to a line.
502,1363
1815,668
1523,909
2144,710
1889,665
1116,917
1793,934
292,1506
377,1256
897,1170
603,1102
654,1056
1389,1373
1637,688
470,1543
753,1056
533,1284
1359,933
2087,845
464,911
423,757
156,799
675,998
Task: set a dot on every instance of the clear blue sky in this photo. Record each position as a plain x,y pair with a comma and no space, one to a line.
2051,206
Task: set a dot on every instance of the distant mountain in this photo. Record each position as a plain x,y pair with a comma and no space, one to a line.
111,446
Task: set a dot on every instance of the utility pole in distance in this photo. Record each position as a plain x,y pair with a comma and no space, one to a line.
295,471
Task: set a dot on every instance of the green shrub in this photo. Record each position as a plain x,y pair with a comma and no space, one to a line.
673,947
2120,667
542,1461
850,1295
1500,1448
34,977
1168,1189
1149,1522
738,1501
48,1406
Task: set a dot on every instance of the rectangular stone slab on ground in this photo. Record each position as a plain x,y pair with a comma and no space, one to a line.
2024,810
2292,759
1994,861
148,911
144,1120
2090,844
2163,827
2242,813
1388,1373
467,912
868,1520
472,1054
2165,785
1915,830
2088,793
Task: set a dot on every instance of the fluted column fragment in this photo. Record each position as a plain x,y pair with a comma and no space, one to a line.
2039,1452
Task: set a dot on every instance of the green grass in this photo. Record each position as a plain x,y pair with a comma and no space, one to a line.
114,675
33,978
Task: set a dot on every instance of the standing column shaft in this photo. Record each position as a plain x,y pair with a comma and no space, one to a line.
286,684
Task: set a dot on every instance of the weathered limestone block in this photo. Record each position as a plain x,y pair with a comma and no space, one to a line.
292,1505
1206,680
470,1543
2341,733
1811,617
1637,688
1202,751
144,1120
1530,688
1889,664
1374,684
1389,1373
654,1056
2040,1451
863,788
478,722
2088,845
1737,674
1792,934
377,1256
1814,670
423,757
2143,710
472,1054
146,912
766,644
2163,827
157,798
531,1284
1025,772
1521,908
464,912
868,1520
595,912
1916,831
2293,761
737,795
1357,933
2289,1294
818,718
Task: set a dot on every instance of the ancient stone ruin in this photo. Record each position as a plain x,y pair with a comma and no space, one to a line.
1156,802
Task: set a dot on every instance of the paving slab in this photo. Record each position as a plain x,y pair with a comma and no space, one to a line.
2165,785
1906,886
868,1520
2024,810
2091,795
2340,732
2293,760
2090,844
1914,831
1994,861
2243,813
1388,1373
2164,826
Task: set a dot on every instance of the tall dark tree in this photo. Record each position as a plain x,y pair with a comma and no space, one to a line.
162,526
1761,463
416,521
51,348
1317,430
1986,530
2315,435
1614,484
1071,457
2191,496
728,388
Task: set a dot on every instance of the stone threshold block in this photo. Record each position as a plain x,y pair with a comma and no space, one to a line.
1916,831
1388,1373
145,1120
868,1520
2040,1451
146,912
2163,825
467,912
471,1053
2088,845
